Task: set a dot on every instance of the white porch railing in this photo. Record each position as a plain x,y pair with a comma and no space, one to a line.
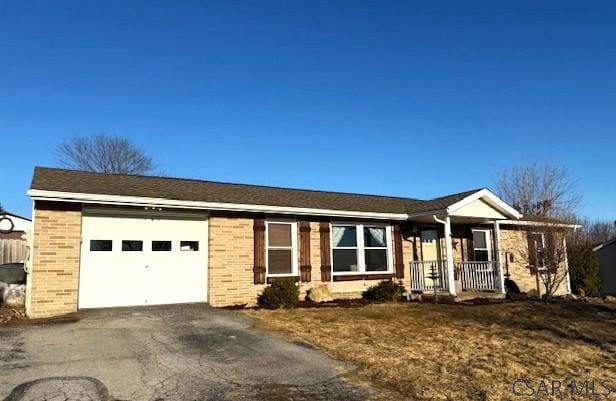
479,276
420,275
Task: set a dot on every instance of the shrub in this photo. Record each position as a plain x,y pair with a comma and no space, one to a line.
584,269
281,294
387,291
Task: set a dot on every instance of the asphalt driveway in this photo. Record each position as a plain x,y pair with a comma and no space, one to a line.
185,352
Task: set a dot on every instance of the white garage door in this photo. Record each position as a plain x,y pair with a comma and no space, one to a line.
134,260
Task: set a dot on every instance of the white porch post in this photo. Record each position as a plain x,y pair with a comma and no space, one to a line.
497,255
567,279
451,280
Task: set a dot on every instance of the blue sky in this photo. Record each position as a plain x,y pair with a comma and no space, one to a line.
401,98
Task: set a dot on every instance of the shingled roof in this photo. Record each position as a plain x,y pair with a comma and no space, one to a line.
83,182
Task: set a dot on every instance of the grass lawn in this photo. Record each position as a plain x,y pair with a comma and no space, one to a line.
462,352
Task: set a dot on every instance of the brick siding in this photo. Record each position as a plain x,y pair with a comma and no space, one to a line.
54,281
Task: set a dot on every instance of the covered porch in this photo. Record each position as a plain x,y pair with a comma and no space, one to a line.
456,245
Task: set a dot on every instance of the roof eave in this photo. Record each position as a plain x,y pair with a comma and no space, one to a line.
121,200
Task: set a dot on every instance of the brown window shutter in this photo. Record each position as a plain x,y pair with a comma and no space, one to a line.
326,267
398,255
532,253
259,251
304,251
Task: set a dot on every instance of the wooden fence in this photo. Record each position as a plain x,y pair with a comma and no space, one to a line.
13,250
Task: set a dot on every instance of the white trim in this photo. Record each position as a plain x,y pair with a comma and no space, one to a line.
449,250
488,239
360,248
294,268
539,268
490,199
29,264
568,278
605,244
538,223
37,194
497,256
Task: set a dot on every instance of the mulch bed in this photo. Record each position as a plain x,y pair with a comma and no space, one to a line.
360,302
11,315
16,316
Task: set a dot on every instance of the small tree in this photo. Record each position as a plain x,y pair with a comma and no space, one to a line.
545,192
539,190
584,269
547,256
583,262
104,153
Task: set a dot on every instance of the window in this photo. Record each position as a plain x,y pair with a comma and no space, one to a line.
189,246
132,246
359,248
280,252
375,249
481,245
539,242
161,246
344,248
100,245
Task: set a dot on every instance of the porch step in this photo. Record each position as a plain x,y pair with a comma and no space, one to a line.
445,297
465,295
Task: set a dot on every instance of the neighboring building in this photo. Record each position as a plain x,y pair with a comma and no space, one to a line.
606,253
103,240
13,229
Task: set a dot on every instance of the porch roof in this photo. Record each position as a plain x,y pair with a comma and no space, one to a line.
471,206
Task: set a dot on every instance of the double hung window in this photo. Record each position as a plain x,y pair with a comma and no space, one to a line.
361,248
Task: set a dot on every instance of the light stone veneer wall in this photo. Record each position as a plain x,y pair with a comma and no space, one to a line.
53,283
514,242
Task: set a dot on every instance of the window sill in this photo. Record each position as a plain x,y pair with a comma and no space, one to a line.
269,279
362,276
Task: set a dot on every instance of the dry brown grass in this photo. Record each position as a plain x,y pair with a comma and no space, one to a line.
461,352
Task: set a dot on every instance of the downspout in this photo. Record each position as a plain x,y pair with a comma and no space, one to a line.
29,263
497,256
568,279
451,280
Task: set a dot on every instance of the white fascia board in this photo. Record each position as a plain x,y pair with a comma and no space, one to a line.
437,212
538,223
490,198
605,244
120,200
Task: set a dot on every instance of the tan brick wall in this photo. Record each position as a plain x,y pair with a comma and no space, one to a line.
54,280
514,241
231,262
230,247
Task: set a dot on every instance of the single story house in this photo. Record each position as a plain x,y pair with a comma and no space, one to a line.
105,240
606,253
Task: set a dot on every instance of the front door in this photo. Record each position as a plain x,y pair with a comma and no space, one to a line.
430,252
430,247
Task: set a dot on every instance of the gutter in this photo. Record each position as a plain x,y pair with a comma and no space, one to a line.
120,200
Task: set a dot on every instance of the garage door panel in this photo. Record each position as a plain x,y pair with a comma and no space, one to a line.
145,270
